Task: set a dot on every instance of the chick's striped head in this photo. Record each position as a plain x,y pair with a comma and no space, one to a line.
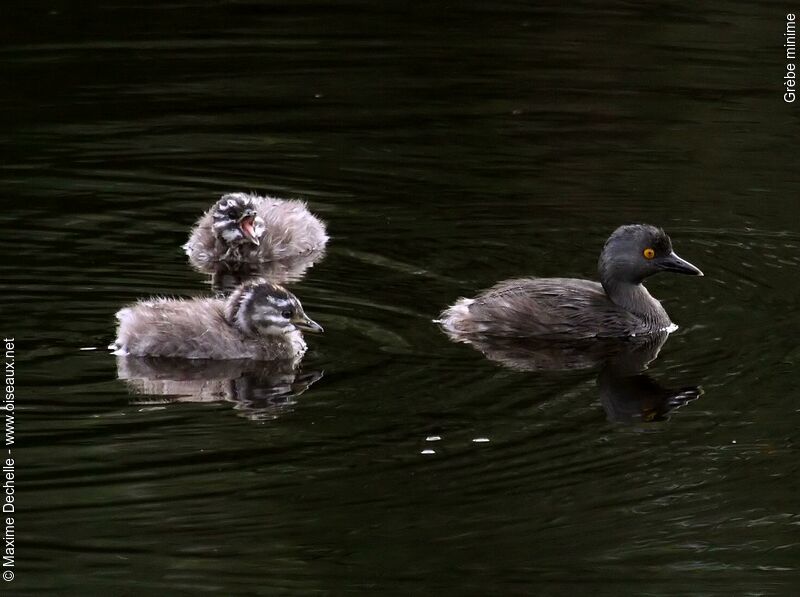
267,309
235,220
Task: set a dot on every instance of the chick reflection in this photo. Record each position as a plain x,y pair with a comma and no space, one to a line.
225,277
627,394
258,389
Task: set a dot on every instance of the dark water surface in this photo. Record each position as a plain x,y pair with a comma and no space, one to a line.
447,146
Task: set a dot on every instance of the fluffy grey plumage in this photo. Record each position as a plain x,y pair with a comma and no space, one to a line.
258,321
573,309
244,228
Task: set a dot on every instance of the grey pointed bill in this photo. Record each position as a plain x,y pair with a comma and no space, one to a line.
307,324
674,263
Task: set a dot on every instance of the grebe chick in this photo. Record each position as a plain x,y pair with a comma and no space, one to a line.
260,321
245,228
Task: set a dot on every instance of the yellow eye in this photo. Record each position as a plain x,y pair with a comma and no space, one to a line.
649,253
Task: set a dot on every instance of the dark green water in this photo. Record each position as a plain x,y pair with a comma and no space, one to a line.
447,146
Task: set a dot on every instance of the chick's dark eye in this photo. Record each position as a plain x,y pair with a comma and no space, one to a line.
286,314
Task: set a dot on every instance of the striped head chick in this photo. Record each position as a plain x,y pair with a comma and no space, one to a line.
266,309
236,224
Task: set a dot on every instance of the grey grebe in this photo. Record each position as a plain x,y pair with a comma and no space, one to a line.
572,309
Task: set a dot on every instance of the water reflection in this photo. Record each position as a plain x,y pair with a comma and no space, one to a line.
257,389
626,393
227,276
632,398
